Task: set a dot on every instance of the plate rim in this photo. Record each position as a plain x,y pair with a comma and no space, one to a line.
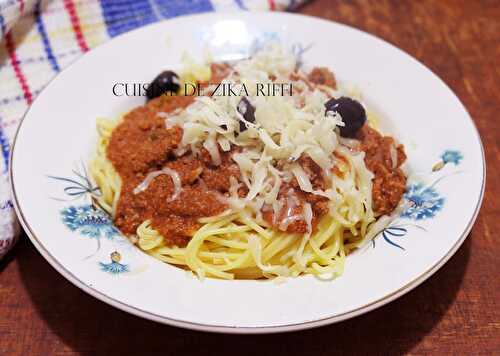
247,329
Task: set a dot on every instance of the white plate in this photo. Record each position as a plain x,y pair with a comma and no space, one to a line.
58,133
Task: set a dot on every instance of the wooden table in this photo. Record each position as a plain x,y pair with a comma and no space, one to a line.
456,312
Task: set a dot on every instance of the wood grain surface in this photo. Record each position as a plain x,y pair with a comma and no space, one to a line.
455,312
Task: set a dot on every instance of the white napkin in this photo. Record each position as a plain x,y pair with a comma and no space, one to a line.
9,227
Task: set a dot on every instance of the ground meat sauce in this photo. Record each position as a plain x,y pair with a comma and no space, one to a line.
219,71
219,177
142,144
389,182
294,200
323,76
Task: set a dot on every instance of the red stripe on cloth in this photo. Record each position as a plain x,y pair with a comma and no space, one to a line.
21,5
9,43
272,5
75,23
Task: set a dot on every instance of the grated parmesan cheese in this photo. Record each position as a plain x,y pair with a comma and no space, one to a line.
285,128
176,179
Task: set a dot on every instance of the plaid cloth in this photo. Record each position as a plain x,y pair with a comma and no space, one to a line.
41,37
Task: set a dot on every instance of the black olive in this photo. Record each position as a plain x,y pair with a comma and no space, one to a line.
166,81
246,109
352,112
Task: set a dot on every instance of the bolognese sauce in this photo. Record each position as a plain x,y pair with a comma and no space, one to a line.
142,144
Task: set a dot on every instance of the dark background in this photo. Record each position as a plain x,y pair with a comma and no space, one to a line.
455,312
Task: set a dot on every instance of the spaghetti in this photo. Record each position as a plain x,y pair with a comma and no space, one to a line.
198,183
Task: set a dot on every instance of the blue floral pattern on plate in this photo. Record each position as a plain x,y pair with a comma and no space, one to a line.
79,186
451,156
448,156
114,267
421,202
89,221
424,202
394,231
